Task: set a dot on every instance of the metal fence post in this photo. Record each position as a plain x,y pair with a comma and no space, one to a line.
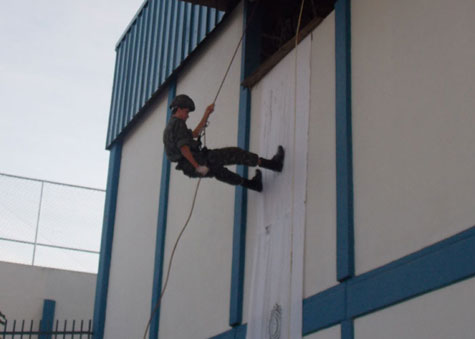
37,224
46,327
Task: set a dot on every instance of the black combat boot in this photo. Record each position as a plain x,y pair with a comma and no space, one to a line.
277,161
255,183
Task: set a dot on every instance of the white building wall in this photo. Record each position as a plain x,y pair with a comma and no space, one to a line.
24,288
252,205
413,80
133,250
320,231
413,103
445,313
196,302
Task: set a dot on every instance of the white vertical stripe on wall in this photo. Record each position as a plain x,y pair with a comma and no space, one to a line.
320,229
277,276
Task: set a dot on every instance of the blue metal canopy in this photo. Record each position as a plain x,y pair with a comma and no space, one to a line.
159,39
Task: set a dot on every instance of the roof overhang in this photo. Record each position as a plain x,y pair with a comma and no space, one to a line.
221,5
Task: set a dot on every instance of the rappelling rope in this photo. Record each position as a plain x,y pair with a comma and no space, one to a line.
294,149
203,133
171,259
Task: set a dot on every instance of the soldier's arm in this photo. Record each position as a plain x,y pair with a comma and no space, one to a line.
185,150
204,119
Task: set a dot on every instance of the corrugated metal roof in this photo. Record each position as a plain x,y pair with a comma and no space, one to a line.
161,36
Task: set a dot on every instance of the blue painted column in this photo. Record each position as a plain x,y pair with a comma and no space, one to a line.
161,227
47,320
344,154
249,61
347,329
102,283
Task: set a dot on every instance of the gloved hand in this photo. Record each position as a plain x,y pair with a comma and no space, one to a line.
202,170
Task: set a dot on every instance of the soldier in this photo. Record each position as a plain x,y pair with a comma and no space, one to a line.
182,145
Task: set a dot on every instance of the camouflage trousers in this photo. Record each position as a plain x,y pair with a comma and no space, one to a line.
216,159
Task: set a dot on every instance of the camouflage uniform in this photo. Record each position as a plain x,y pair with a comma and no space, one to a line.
177,134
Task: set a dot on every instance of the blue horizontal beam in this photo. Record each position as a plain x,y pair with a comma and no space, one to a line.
434,267
238,332
324,309
437,266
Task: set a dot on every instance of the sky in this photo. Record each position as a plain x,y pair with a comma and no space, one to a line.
56,71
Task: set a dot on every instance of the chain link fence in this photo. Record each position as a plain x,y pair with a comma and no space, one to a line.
49,224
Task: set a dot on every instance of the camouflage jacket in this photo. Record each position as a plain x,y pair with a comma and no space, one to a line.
177,135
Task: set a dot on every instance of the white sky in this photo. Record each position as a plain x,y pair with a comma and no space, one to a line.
56,71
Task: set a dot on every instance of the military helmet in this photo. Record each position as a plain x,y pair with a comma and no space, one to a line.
182,101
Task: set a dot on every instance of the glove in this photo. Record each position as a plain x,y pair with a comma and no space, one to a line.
202,170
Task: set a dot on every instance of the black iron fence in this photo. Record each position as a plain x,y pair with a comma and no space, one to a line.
19,330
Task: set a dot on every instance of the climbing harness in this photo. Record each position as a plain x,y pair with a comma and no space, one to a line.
202,133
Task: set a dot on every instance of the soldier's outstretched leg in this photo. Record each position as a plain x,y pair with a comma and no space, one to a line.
231,156
276,163
255,183
229,177
237,156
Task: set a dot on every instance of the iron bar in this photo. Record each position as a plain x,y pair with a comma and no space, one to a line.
56,329
51,182
52,246
37,223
